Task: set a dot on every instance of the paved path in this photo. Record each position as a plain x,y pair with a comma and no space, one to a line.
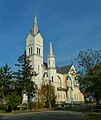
46,115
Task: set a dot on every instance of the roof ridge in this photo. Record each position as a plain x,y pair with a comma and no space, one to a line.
64,69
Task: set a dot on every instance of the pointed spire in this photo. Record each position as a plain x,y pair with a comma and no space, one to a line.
51,49
34,29
35,20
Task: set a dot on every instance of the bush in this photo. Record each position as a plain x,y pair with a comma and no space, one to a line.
35,105
13,101
2,106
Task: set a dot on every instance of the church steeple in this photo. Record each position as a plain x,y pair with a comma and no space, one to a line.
34,29
51,64
50,50
51,58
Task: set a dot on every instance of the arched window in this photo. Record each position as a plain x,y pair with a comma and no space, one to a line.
37,50
52,78
29,51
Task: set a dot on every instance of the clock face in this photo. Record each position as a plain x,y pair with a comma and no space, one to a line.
30,42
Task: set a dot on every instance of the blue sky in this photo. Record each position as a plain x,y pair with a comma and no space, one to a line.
73,25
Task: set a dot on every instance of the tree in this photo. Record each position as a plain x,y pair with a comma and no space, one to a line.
24,78
45,96
13,100
90,72
6,81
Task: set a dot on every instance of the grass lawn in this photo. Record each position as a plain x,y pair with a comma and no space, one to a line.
2,111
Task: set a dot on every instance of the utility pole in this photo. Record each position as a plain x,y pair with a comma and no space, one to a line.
49,94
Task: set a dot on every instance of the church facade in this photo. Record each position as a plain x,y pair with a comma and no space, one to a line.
63,78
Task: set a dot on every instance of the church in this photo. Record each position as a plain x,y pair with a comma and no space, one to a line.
64,79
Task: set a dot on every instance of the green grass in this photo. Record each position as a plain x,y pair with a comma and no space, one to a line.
2,111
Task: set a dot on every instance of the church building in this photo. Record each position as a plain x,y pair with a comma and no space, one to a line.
63,78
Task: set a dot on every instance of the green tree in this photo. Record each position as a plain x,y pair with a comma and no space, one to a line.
13,100
24,78
47,93
6,81
90,72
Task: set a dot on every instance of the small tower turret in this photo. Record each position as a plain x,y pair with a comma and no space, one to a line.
51,58
51,65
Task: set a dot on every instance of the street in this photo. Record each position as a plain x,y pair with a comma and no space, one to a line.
45,115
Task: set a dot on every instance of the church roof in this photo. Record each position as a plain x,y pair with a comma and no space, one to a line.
64,69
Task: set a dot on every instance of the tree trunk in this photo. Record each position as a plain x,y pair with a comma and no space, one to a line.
21,107
21,102
27,106
97,99
28,103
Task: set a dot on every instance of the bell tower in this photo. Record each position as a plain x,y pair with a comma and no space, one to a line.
34,49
